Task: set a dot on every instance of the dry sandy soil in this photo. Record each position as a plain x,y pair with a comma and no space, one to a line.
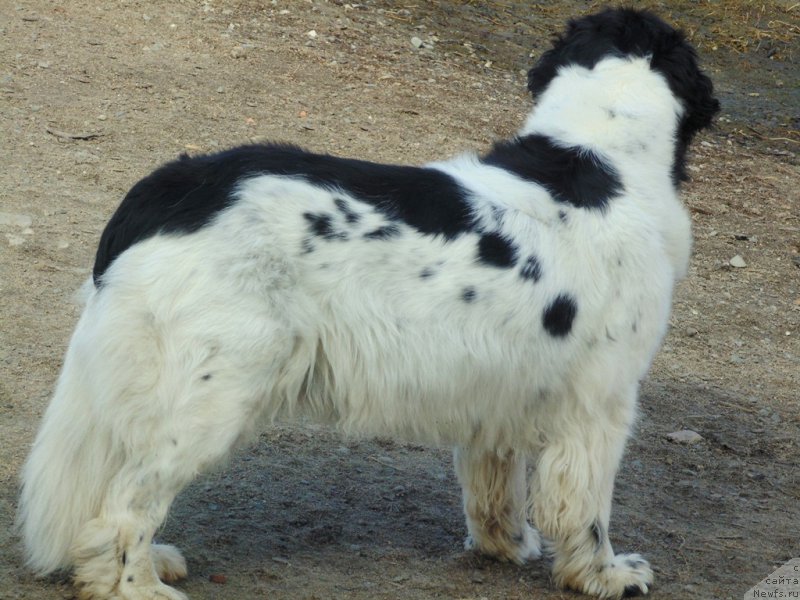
93,95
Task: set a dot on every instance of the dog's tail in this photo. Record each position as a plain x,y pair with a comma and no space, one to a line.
70,465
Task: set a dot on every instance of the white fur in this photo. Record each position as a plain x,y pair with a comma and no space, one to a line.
350,335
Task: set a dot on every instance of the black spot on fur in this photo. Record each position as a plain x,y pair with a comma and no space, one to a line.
531,269
632,591
321,225
469,294
496,250
206,377
562,216
628,32
185,195
426,273
130,578
349,216
573,175
383,233
559,315
124,558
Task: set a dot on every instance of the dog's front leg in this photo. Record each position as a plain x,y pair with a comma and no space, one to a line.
571,495
495,488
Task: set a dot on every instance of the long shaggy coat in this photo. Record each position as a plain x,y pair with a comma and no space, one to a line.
506,305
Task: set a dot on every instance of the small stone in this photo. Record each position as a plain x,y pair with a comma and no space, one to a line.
477,577
312,34
218,578
684,436
82,157
737,262
416,42
691,332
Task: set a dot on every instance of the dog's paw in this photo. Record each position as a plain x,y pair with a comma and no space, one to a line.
626,576
629,575
168,562
525,546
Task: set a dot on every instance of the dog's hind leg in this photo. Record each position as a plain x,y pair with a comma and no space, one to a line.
175,399
114,554
494,491
571,495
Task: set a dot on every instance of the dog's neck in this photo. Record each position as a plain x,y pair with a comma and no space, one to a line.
621,109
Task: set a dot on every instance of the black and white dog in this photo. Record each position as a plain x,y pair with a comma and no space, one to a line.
505,304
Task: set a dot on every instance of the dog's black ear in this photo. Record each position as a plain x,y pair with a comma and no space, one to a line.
676,60
584,43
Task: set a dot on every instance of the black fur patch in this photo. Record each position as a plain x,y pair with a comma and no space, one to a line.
632,591
185,195
531,269
383,233
426,273
496,250
349,216
321,225
573,175
629,32
559,315
469,294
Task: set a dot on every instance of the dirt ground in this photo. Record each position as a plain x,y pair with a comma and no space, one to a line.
93,95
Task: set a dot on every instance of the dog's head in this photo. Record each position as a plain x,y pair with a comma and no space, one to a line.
628,32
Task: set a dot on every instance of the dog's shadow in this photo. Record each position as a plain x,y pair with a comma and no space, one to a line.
302,490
